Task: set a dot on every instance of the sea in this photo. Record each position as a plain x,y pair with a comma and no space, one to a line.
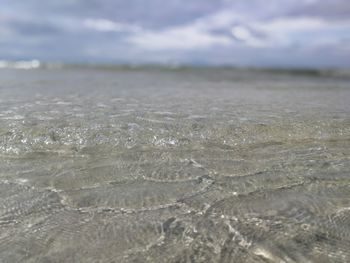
173,164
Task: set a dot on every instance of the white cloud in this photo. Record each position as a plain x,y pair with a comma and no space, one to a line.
291,24
277,29
240,31
105,25
307,31
178,38
220,19
190,36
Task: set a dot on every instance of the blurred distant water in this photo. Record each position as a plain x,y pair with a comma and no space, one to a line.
173,165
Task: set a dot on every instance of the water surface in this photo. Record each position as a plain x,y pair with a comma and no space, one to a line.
184,165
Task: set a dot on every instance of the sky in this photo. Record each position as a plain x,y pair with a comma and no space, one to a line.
257,33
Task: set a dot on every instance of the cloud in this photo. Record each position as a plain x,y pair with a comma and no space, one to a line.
305,31
201,33
247,37
178,38
291,24
227,28
105,25
212,32
327,9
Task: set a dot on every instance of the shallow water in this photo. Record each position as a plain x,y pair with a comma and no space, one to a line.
186,165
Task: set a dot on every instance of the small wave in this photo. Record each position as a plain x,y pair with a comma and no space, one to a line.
22,64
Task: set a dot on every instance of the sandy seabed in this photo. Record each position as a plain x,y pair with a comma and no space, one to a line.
182,165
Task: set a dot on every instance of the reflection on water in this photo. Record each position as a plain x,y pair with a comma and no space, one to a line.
151,165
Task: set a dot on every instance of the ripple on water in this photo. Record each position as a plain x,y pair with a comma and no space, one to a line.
156,166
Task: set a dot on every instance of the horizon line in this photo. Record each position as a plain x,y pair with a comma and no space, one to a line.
36,64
